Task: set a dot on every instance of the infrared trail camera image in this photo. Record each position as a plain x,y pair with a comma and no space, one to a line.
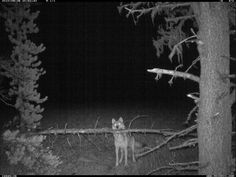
117,88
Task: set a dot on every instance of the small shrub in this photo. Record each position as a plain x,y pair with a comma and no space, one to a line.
30,152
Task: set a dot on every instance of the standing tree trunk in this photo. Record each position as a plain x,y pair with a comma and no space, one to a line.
214,119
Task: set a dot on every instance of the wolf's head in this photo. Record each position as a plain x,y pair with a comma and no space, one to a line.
118,124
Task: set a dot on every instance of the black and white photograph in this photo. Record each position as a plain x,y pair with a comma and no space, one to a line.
117,88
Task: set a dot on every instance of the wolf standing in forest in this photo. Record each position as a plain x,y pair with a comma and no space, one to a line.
123,141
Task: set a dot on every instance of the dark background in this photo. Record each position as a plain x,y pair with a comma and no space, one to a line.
94,55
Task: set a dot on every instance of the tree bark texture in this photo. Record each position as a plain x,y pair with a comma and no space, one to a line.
214,118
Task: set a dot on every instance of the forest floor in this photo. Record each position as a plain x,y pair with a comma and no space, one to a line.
95,154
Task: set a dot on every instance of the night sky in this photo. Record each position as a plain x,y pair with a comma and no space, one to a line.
95,55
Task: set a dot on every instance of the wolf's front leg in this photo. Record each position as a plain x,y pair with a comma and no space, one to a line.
133,155
133,150
117,155
121,154
126,156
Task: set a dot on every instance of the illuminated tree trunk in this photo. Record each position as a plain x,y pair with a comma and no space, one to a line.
214,119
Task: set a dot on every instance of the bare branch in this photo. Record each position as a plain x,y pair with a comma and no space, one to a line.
171,80
193,63
139,10
190,114
233,97
180,133
176,19
229,58
159,5
192,95
68,142
159,72
232,76
188,143
101,130
8,104
184,163
99,149
178,167
158,169
136,117
232,32
176,46
95,126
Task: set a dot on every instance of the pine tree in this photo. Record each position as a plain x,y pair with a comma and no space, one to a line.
210,31
23,68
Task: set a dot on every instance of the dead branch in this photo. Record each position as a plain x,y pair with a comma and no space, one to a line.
232,32
190,114
136,117
68,142
176,19
158,169
178,167
232,76
195,98
232,97
193,63
176,46
180,133
99,131
184,75
229,58
188,143
136,10
6,103
171,80
99,149
157,6
184,163
95,126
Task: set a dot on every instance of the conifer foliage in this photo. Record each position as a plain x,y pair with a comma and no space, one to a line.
24,67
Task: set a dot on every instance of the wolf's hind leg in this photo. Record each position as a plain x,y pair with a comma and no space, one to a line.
122,154
132,148
126,156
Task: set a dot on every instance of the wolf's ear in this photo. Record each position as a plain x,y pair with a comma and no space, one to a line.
121,119
113,120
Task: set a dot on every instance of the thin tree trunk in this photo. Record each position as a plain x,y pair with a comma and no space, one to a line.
214,119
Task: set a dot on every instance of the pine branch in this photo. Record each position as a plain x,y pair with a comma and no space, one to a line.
184,75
